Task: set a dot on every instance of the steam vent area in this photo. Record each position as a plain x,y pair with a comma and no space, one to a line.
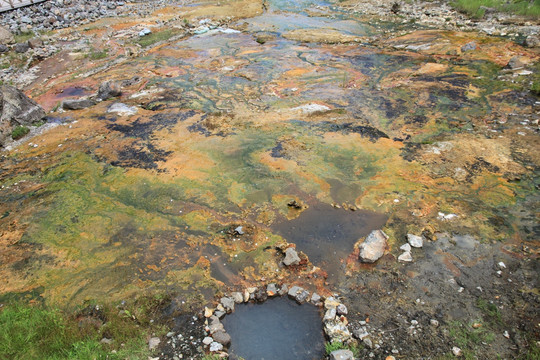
269,180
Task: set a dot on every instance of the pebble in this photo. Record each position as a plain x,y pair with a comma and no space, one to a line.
406,247
153,343
502,265
457,351
405,257
434,322
215,346
291,257
207,340
415,240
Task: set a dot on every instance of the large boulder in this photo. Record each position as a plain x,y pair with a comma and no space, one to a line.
373,247
16,109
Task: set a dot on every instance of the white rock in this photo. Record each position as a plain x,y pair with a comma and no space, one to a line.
372,249
434,322
145,32
506,334
122,109
406,247
341,355
415,240
405,257
153,343
291,257
215,346
207,340
457,351
502,265
312,108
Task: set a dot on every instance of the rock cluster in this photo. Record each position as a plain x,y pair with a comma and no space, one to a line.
335,322
58,14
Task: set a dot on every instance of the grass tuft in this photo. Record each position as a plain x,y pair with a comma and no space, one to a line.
474,8
19,131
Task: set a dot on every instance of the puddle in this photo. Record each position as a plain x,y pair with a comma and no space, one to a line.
277,329
327,234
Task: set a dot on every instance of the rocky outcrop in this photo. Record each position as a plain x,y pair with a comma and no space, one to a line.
16,109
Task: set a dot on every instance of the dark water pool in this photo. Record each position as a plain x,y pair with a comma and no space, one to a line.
278,329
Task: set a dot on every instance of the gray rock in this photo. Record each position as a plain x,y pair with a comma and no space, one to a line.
228,303
222,337
291,257
16,109
35,43
215,347
315,299
77,104
22,47
216,327
405,257
3,48
6,37
515,63
109,89
329,315
106,341
337,331
471,46
220,314
373,247
145,32
260,294
153,343
272,290
237,297
532,41
239,230
298,294
207,340
415,240
341,355
360,333
341,309
284,290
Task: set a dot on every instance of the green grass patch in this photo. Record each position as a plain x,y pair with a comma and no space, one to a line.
469,339
156,37
23,36
333,346
518,7
95,54
41,332
19,131
491,311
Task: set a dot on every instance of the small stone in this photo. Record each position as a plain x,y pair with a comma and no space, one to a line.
77,104
122,109
342,355
109,89
476,325
341,309
373,247
315,299
170,334
414,322
367,341
532,41
208,312
260,294
239,230
457,351
3,48
6,37
207,340
405,257
360,333
22,47
271,290
284,290
106,341
415,240
434,322
471,46
145,32
227,303
237,297
215,346
291,257
515,63
331,303
222,337
153,343
220,314
329,315
506,334
502,265
246,295
406,247
35,43
390,357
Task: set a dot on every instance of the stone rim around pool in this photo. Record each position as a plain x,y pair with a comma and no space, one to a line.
334,321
